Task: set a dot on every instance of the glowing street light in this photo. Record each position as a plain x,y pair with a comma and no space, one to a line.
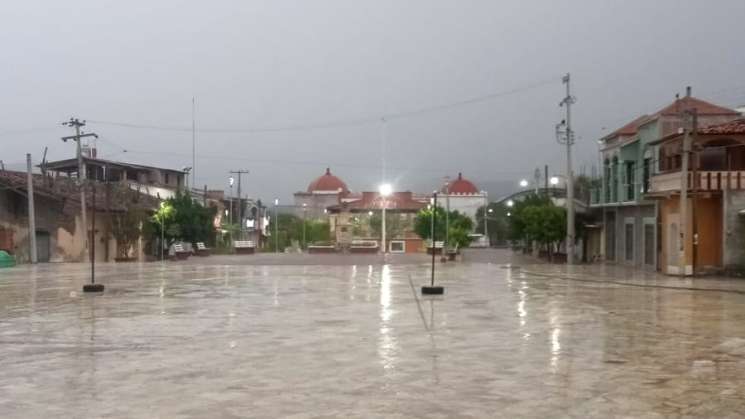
554,180
510,203
524,183
385,189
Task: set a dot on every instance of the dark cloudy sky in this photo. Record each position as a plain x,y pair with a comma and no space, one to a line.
273,64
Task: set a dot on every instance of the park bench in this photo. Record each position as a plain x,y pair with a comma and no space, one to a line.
437,249
179,252
244,247
322,248
202,250
452,252
363,246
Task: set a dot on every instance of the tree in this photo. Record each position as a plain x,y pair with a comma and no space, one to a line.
126,229
538,219
460,226
516,220
183,219
423,223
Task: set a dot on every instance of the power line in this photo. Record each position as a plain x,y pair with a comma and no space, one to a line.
341,122
299,162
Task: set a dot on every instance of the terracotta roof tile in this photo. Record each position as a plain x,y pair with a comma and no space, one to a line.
689,103
733,127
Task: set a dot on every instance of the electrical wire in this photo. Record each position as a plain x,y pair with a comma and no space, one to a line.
338,123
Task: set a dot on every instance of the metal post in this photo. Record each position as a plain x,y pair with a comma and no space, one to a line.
383,244
304,216
486,219
447,215
162,239
93,235
230,197
276,228
434,215
240,208
31,212
193,142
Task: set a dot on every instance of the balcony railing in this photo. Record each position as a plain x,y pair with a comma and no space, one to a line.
704,181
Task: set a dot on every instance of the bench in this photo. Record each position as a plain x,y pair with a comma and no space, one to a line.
452,252
363,246
321,248
244,247
180,253
202,250
438,248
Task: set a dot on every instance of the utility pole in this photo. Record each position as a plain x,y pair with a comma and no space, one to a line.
565,136
193,143
240,199
76,123
31,212
694,164
545,180
230,197
683,222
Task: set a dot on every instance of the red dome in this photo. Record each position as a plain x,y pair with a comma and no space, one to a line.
463,186
327,183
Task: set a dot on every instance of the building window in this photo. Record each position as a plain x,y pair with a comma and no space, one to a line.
630,179
168,180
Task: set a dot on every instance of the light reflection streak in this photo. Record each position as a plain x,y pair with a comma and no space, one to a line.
387,345
555,344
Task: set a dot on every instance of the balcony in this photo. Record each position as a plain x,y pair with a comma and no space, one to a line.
704,181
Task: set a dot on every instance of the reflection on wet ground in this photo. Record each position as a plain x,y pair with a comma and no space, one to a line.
219,340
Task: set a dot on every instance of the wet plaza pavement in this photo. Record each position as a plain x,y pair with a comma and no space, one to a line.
225,338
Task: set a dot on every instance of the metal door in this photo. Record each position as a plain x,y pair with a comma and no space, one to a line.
42,246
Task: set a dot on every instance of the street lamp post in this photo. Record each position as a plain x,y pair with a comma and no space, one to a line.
432,289
385,191
162,232
276,230
447,215
305,208
486,228
231,181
